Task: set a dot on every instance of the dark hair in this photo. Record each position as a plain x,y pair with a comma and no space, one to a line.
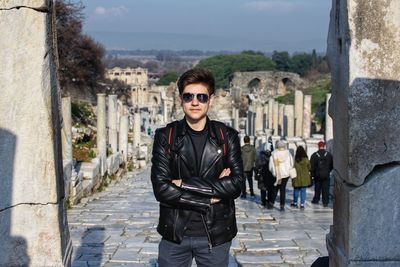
197,75
246,139
300,154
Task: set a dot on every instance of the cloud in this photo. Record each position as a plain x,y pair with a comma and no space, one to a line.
274,5
111,11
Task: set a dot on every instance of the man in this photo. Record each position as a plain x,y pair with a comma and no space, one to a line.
249,158
321,167
196,178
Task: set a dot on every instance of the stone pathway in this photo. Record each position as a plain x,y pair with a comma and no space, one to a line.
116,227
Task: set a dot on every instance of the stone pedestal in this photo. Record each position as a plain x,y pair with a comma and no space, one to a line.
113,123
33,223
298,113
101,132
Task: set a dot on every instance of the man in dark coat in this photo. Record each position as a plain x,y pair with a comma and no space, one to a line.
249,158
321,167
197,173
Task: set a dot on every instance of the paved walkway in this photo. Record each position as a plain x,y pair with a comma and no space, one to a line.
116,227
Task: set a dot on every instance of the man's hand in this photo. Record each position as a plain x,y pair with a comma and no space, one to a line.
177,182
225,172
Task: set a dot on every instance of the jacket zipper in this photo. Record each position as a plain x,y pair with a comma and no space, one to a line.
208,234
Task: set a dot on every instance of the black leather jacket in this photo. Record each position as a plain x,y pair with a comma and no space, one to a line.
195,193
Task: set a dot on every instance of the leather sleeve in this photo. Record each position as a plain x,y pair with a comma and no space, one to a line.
228,187
164,190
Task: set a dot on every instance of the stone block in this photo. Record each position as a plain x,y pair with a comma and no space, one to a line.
367,226
89,170
363,56
113,163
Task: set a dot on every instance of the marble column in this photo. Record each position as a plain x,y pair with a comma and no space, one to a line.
364,58
136,130
289,120
102,132
281,127
307,116
328,121
123,136
298,113
270,113
258,125
235,118
275,113
66,139
66,135
265,119
33,223
113,123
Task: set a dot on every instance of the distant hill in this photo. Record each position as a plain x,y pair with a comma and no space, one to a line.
177,41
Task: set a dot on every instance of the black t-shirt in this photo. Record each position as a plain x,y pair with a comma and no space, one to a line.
195,226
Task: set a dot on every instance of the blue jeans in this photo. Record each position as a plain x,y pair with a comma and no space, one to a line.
303,194
181,255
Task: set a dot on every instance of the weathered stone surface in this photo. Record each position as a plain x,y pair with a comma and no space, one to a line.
363,55
368,220
31,184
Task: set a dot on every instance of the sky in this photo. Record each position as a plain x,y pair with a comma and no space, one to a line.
213,25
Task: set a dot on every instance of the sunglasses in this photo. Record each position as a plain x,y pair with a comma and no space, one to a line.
188,97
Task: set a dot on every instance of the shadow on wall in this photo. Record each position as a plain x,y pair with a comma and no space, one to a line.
13,249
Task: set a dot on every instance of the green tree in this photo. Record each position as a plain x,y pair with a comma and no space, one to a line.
301,63
167,78
282,60
223,66
80,57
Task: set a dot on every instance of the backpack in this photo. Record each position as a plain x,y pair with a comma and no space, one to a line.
322,171
221,136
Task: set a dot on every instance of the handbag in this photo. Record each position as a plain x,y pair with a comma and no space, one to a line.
292,171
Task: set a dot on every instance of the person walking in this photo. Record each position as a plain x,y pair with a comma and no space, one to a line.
196,173
303,178
280,164
265,180
249,158
321,167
